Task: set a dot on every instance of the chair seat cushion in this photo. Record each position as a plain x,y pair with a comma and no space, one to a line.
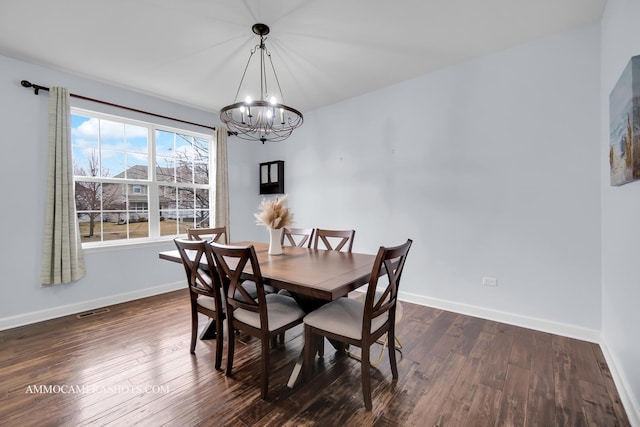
343,317
281,310
252,289
207,302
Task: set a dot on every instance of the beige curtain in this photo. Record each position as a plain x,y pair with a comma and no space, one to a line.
62,258
221,207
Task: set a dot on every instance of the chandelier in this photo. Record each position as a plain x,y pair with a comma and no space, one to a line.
265,119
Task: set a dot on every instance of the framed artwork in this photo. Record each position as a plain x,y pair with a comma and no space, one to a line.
624,125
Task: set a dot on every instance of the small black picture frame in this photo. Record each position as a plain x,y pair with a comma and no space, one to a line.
272,177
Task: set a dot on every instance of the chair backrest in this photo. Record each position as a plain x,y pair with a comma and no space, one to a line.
304,237
210,234
390,263
232,263
202,276
334,240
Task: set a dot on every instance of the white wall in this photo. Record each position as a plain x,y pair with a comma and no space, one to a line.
492,168
112,275
620,213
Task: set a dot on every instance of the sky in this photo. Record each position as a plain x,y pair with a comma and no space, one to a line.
123,145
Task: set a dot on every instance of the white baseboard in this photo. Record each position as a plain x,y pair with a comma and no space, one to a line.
629,401
557,328
65,310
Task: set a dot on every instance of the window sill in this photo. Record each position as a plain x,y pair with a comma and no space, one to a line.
93,248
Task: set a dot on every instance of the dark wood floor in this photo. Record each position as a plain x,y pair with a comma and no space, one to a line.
132,365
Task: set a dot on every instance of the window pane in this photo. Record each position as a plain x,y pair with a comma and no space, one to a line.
185,221
167,197
84,132
113,197
88,196
165,144
184,172
202,218
201,173
113,164
138,197
168,222
112,135
201,146
139,171
165,170
115,227
137,139
86,162
90,225
138,225
185,149
202,198
185,198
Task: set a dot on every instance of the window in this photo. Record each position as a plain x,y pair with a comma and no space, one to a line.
138,180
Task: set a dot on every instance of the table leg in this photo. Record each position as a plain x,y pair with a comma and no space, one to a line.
209,331
295,374
297,369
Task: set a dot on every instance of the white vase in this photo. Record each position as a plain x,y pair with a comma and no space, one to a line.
275,241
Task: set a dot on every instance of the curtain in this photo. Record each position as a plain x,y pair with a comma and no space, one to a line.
62,258
221,207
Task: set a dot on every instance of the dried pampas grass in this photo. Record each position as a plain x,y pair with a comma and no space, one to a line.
274,213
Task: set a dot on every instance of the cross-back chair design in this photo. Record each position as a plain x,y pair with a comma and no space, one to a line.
204,289
361,323
217,234
334,240
264,317
301,237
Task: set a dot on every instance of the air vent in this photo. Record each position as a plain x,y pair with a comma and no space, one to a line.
92,313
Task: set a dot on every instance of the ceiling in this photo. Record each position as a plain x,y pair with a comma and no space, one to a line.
324,51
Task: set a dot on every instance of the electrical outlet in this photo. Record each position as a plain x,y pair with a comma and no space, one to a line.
490,281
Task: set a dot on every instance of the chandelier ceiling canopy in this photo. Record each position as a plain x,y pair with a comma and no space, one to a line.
267,118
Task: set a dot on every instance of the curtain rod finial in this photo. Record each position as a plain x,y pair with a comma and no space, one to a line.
27,84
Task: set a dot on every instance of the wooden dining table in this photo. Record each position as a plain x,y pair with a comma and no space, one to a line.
316,273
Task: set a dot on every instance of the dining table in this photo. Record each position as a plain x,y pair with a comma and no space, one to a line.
315,274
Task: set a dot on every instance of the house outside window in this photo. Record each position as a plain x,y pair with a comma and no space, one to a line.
137,181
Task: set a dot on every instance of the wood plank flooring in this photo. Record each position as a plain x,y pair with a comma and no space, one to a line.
132,365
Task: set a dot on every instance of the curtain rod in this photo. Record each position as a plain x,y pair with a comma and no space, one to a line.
37,88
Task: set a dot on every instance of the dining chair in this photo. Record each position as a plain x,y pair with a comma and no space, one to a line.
334,240
301,237
360,323
211,234
204,289
219,235
264,317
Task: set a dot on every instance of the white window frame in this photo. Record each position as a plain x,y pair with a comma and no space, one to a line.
151,181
